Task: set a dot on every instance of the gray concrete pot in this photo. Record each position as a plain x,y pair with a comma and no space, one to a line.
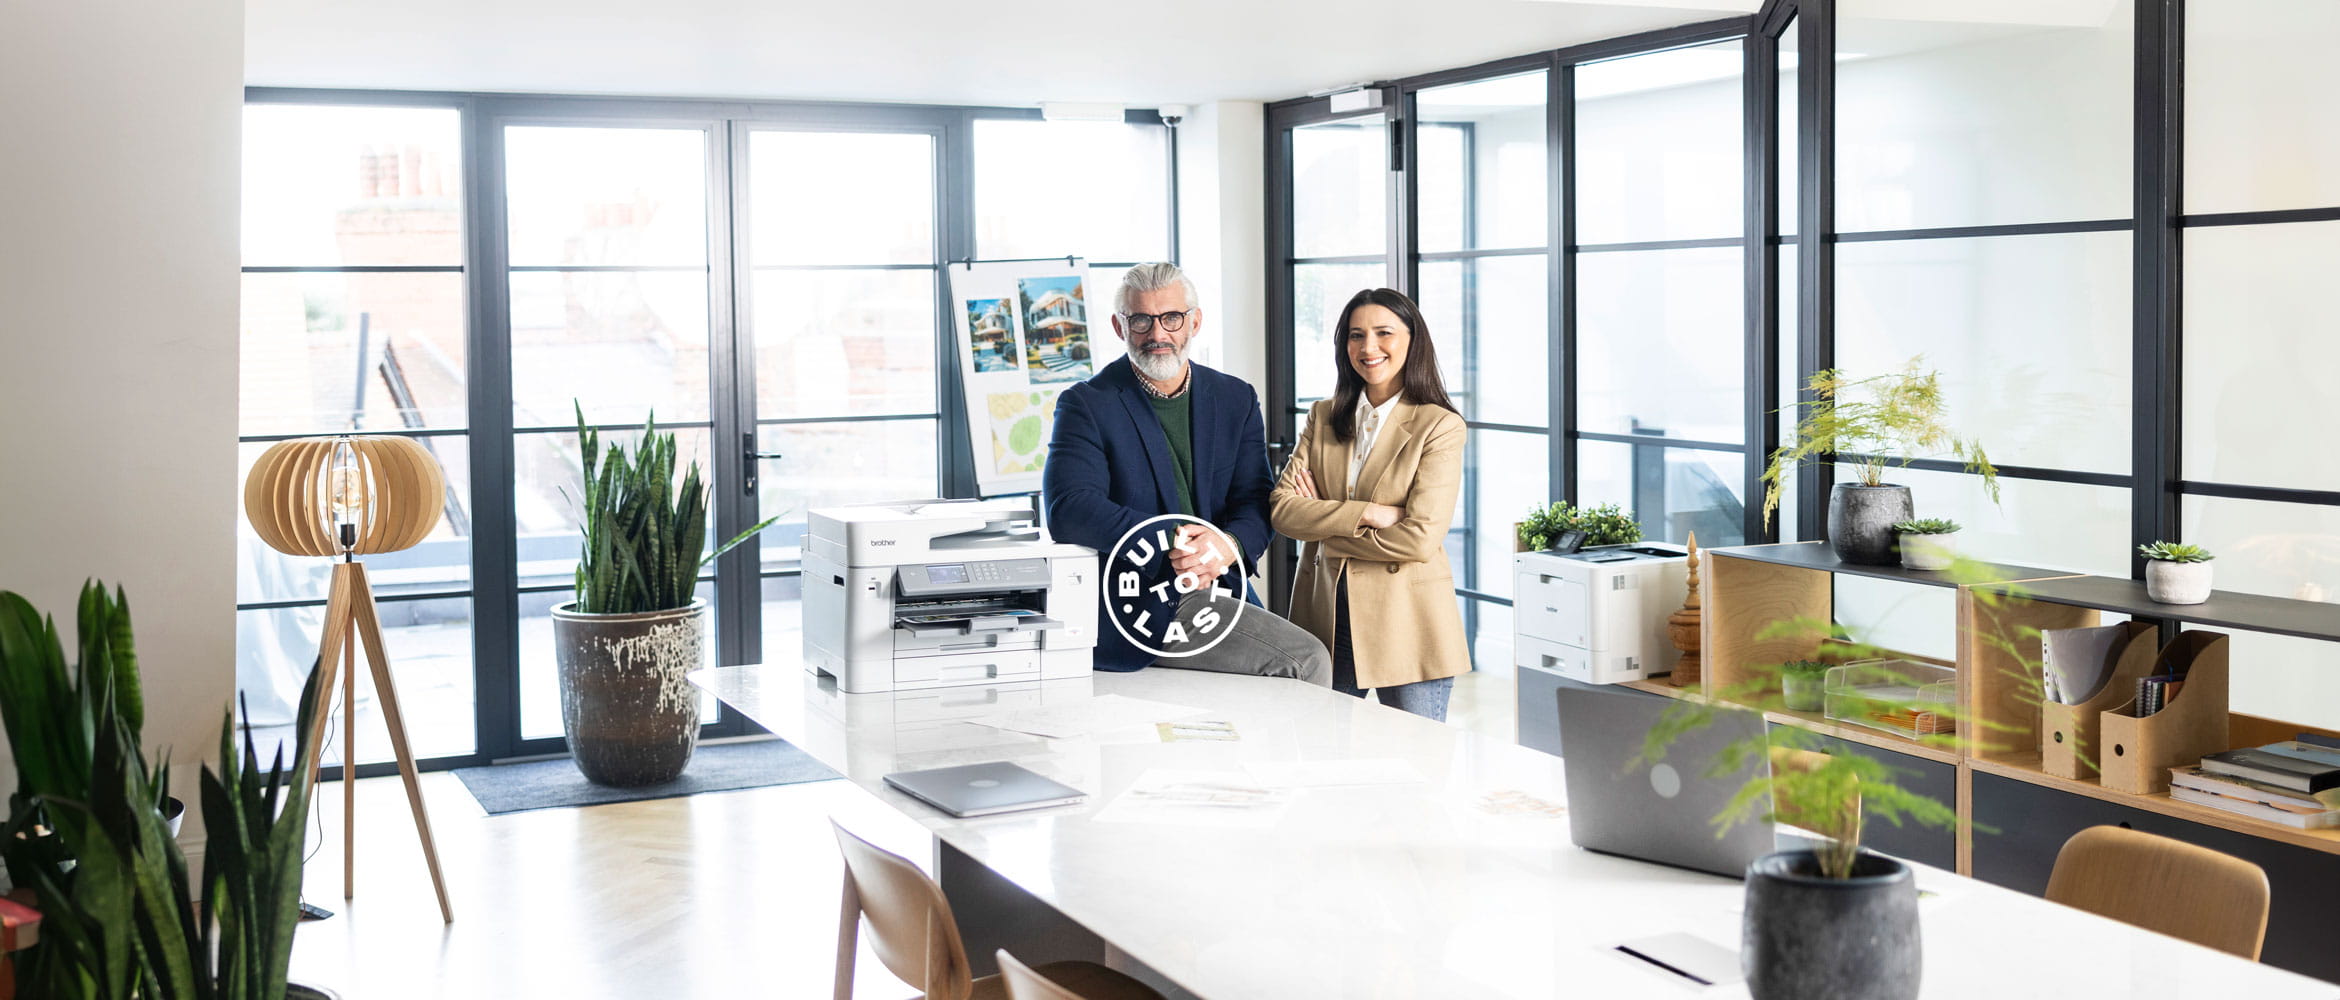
1929,552
1808,937
1861,520
2176,582
628,707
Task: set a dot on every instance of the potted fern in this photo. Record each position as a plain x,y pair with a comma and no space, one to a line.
1926,543
2176,573
636,629
1871,424
1834,921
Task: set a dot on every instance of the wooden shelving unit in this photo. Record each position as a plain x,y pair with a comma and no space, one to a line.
1747,589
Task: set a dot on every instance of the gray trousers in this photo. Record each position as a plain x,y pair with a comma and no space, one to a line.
1260,642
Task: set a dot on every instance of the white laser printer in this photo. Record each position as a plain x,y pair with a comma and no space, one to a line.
936,593
1597,616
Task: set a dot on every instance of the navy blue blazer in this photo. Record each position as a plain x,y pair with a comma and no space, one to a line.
1109,470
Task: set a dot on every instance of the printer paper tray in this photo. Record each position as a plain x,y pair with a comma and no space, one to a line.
977,623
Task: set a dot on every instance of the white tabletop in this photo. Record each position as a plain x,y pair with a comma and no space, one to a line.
1422,889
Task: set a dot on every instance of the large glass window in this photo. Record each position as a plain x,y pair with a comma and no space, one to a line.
2258,350
1098,190
1660,311
767,285
354,321
1946,118
1483,280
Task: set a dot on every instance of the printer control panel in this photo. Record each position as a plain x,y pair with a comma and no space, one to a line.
940,579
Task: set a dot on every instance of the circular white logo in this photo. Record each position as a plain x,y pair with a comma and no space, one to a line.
1162,610
1666,781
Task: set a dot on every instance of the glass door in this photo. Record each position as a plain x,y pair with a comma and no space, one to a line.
840,270
610,305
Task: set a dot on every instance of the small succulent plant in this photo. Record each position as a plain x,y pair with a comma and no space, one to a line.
2175,552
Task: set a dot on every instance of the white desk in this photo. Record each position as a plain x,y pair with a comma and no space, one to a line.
1406,890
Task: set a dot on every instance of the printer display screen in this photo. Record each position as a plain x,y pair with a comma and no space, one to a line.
947,574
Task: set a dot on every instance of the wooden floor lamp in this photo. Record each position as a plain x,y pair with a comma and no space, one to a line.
351,496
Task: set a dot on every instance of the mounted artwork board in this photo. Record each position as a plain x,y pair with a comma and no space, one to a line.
1023,336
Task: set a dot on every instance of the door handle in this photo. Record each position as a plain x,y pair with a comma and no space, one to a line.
747,447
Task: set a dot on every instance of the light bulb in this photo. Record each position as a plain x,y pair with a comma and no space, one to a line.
346,494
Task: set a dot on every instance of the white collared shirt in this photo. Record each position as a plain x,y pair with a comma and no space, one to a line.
1369,421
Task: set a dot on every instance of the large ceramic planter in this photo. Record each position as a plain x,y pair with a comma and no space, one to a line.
1929,552
1807,937
1861,520
627,703
2177,582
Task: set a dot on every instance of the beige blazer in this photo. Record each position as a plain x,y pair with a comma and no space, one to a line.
1404,625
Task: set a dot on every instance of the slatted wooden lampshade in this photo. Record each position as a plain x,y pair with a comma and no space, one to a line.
390,488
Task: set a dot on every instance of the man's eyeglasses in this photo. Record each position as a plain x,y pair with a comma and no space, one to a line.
1172,322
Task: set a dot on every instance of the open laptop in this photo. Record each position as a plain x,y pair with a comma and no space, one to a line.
983,789
1662,812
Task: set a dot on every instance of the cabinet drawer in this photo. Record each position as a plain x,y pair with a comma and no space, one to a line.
2030,823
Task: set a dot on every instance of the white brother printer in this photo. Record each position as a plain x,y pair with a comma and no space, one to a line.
934,593
1597,616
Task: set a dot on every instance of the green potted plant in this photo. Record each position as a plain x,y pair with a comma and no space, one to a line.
1606,524
1927,543
1802,685
2176,573
52,711
635,631
1871,423
119,917
1832,922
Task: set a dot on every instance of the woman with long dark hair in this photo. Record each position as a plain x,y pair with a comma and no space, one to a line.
1369,492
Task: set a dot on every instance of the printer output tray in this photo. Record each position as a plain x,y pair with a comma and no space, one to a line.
971,622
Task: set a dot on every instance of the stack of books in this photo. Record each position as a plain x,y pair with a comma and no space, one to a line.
2293,783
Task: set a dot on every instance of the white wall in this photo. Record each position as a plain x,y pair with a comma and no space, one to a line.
118,292
1222,239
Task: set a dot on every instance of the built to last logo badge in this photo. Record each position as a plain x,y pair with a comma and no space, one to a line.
1163,611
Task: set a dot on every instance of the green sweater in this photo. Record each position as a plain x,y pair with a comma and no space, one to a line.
1177,417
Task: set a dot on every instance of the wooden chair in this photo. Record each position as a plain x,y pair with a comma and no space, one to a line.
2179,889
1026,983
914,934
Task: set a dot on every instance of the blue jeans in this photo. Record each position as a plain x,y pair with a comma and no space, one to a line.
1424,698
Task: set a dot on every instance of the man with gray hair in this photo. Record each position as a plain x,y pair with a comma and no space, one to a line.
1154,434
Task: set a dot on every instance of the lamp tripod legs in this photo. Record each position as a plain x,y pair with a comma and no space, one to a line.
350,619
348,756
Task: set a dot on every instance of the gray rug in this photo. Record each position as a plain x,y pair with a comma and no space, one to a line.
552,784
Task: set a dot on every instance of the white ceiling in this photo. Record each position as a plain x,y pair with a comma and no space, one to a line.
989,52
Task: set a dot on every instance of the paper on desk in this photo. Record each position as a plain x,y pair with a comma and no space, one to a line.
1080,718
1224,799
1326,773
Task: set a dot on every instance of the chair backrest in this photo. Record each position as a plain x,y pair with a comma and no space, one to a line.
2179,889
1025,984
910,922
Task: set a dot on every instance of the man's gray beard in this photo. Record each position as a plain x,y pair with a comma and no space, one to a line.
1159,367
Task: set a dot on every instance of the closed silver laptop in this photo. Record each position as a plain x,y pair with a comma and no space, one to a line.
1664,811
983,789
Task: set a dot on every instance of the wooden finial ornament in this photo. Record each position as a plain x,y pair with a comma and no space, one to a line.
1682,628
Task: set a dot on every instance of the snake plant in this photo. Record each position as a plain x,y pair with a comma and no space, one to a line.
642,534
119,918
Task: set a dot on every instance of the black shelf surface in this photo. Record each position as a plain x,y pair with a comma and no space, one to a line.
2224,609
1819,556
